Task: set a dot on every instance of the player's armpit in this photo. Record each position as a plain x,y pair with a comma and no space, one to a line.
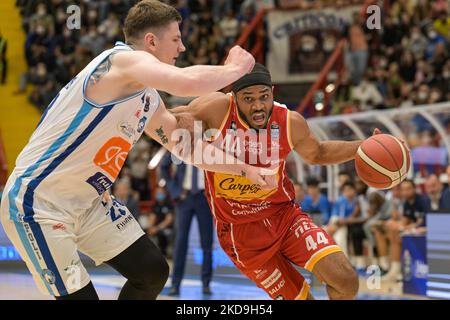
303,140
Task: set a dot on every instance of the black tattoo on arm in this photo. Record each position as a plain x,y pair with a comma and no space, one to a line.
162,135
243,174
101,70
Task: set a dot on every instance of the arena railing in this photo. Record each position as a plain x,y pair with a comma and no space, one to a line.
398,122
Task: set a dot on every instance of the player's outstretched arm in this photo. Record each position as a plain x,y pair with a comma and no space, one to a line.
318,152
163,124
190,81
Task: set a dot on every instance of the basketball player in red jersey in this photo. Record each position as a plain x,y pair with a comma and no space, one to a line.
264,232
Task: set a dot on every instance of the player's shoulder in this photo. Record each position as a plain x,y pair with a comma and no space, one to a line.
211,108
126,58
298,126
216,100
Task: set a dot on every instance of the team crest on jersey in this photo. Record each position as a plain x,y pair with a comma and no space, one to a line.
233,125
239,188
275,130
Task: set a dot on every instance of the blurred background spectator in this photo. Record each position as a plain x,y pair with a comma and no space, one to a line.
315,203
186,185
123,194
160,221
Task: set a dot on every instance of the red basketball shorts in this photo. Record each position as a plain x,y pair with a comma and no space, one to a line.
265,251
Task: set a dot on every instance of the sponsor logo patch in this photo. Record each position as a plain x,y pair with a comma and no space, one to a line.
112,155
239,188
100,182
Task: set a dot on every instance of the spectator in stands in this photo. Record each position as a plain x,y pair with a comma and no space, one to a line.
367,94
438,196
160,220
380,210
414,208
316,203
358,50
447,172
42,19
186,186
343,178
229,27
3,62
123,194
442,24
343,208
138,160
407,70
417,43
434,41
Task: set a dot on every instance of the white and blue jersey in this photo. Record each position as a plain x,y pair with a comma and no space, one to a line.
52,204
79,147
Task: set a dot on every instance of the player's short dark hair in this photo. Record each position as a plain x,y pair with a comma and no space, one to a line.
148,15
312,182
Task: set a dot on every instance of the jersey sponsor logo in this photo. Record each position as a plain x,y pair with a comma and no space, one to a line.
147,104
275,130
239,188
112,155
138,114
270,280
141,124
277,287
100,182
260,273
59,226
125,222
126,129
240,209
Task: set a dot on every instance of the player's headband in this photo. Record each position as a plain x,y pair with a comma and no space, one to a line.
259,75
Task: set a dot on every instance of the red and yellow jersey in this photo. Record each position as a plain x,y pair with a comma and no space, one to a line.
236,199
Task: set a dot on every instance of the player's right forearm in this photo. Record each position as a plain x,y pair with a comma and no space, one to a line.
203,79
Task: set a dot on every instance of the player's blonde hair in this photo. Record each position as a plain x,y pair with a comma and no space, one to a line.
148,15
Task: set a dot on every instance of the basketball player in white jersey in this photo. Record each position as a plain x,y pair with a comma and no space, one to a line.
56,201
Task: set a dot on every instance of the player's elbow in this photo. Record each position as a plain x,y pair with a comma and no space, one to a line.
315,157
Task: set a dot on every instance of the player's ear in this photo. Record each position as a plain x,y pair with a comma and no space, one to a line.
150,41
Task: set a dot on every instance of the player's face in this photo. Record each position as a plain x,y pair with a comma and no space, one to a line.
168,44
255,105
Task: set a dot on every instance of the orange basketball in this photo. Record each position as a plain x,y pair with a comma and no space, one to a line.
382,161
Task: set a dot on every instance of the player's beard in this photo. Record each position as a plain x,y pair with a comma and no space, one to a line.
243,117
